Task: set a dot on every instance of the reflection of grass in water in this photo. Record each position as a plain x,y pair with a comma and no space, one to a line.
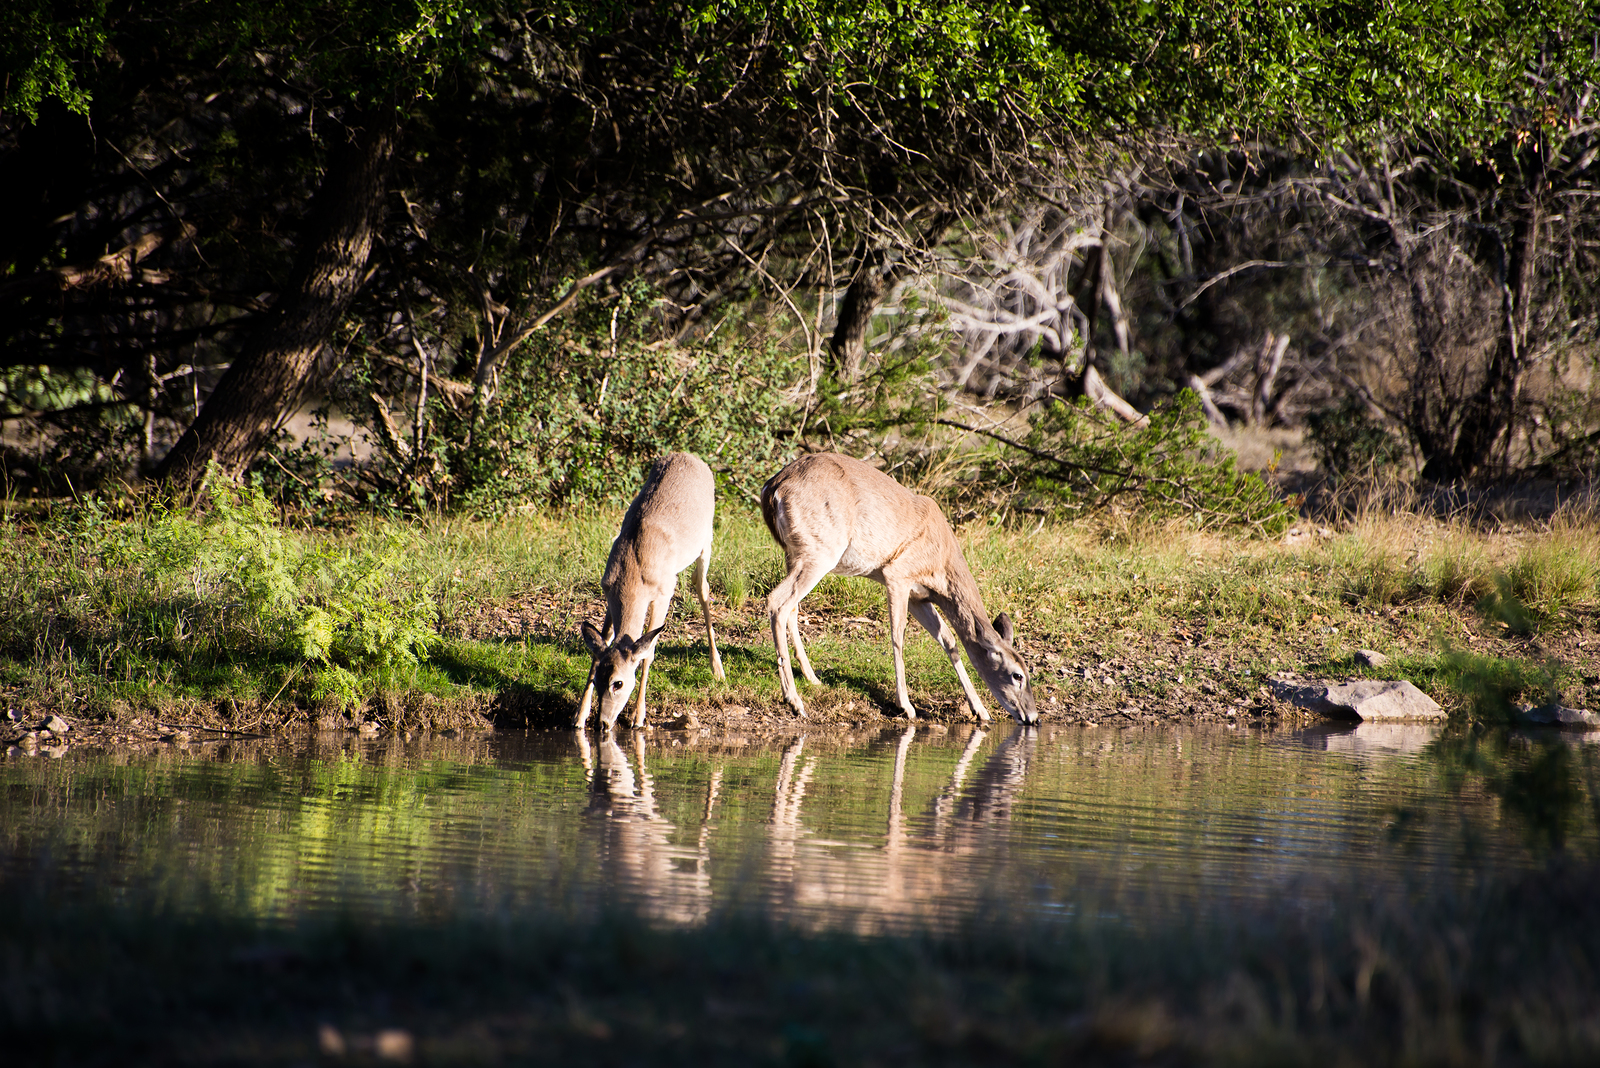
1494,969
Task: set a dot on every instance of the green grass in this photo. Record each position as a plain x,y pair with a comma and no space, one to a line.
101,611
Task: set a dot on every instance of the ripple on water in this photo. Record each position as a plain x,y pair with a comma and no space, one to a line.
905,827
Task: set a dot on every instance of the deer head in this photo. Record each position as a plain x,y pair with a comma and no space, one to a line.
615,668
1007,676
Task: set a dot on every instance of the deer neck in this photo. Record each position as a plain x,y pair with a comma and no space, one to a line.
963,609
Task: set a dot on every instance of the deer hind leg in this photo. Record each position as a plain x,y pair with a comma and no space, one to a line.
783,605
702,590
899,594
935,625
800,650
657,616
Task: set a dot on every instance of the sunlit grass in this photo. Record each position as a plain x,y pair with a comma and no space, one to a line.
82,629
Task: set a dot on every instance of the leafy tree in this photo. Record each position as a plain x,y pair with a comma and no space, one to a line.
217,203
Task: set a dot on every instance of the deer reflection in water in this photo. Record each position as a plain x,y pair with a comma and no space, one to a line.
670,881
915,871
918,871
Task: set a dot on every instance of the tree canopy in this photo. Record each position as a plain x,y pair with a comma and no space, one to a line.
199,189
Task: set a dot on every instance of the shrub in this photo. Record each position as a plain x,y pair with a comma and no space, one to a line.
172,594
1348,441
577,412
1078,459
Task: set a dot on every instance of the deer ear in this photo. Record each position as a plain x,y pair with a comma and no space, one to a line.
1002,627
592,638
648,642
644,645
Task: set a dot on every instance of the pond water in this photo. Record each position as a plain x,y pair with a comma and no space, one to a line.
921,826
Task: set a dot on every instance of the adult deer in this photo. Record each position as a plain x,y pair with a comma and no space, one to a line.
666,528
836,514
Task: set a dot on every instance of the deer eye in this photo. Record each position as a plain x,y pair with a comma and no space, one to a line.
616,685
1017,677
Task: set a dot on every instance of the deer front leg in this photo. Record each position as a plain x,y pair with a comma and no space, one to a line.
588,700
898,596
702,590
657,618
935,625
607,633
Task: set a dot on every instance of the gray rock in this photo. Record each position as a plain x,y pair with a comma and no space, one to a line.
1557,715
368,727
1367,700
1370,658
57,725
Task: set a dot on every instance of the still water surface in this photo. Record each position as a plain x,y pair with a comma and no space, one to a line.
881,830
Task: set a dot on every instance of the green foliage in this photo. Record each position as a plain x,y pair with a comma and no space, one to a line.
44,45
1318,66
1348,441
1546,584
180,596
1550,583
580,410
735,586
348,613
100,440
1491,684
897,395
1204,66
1077,459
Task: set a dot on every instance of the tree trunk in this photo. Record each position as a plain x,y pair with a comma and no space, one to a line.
848,345
1489,411
1428,418
275,361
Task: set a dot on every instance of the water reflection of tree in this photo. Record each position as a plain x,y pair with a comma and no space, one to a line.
1548,783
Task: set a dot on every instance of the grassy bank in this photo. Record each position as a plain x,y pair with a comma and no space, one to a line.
1499,970
132,618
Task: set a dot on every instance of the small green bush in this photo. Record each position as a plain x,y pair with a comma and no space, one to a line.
177,594
1348,441
577,412
1077,458
1373,575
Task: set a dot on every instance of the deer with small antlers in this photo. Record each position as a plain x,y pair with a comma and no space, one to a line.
835,514
666,528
